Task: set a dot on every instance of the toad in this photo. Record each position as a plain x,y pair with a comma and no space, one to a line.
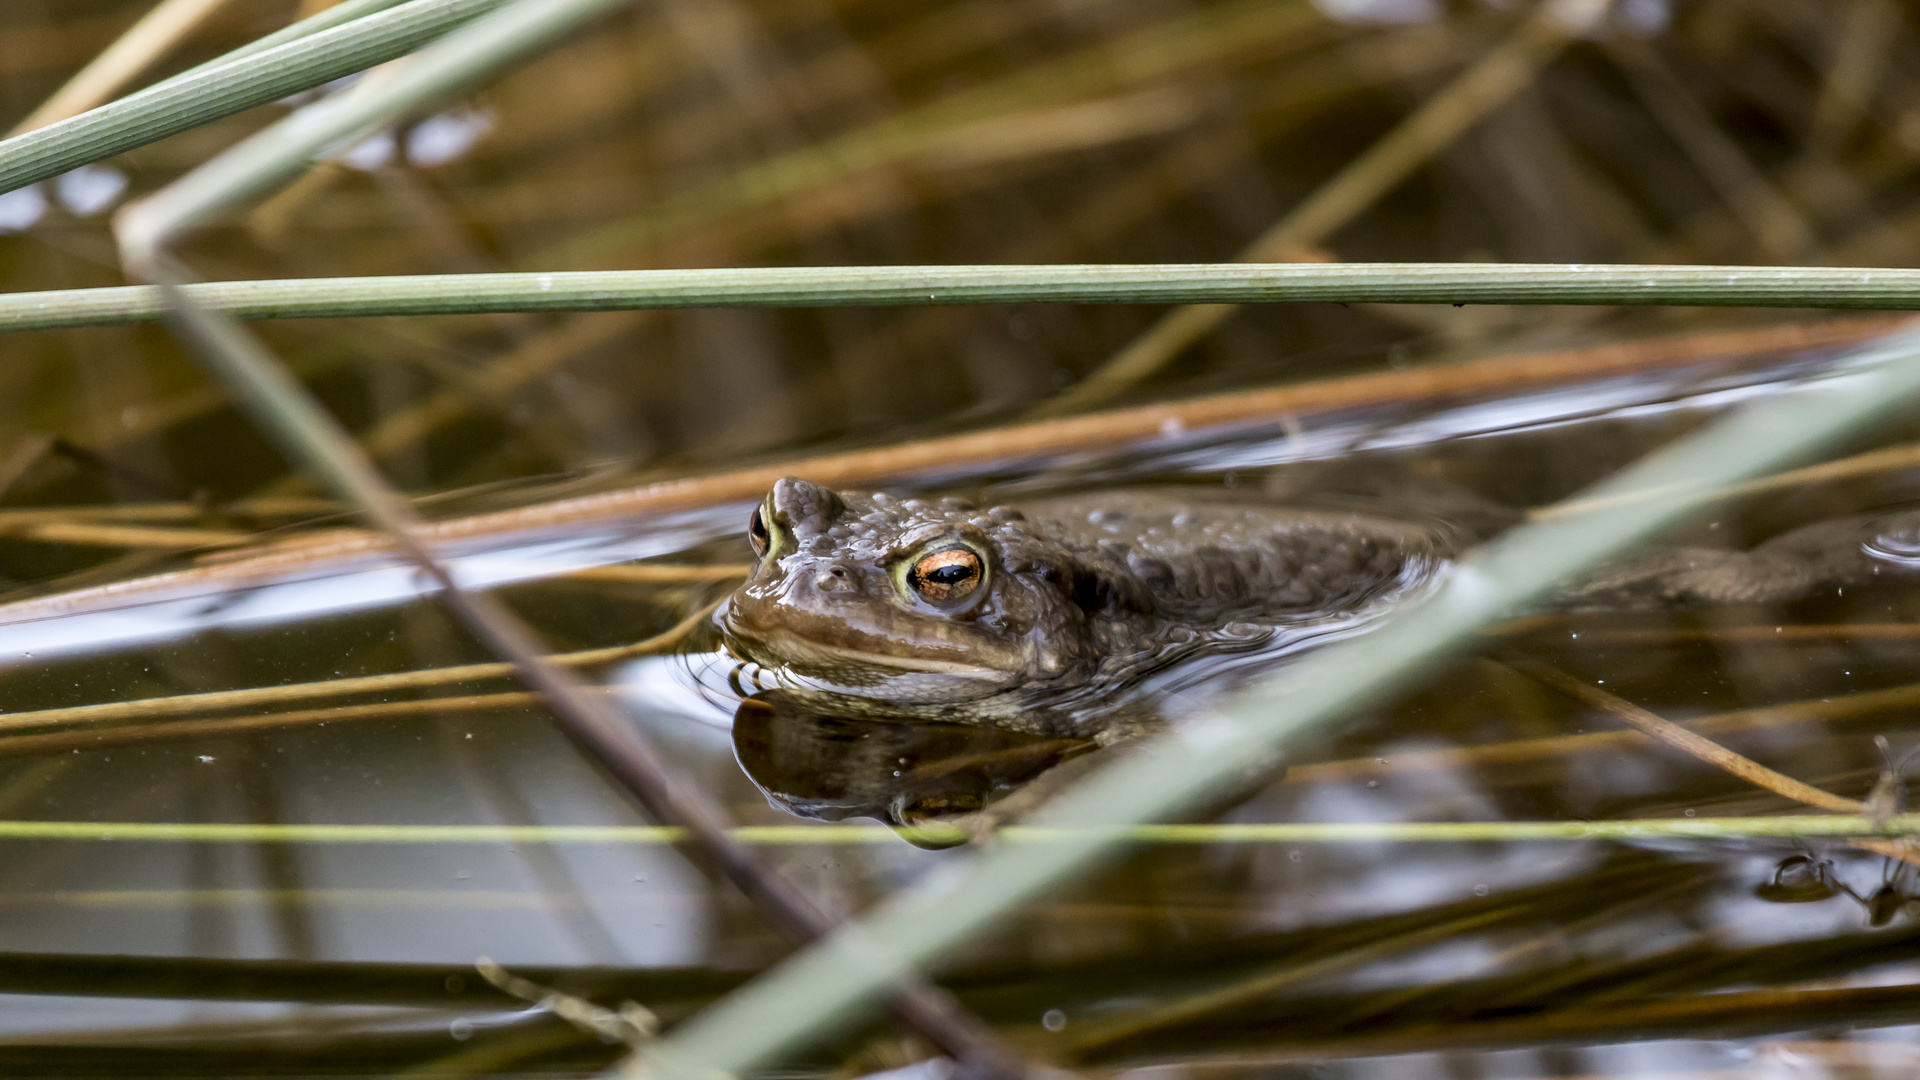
1030,616
1026,616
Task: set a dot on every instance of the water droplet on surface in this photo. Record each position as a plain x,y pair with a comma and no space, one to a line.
1895,539
1054,1020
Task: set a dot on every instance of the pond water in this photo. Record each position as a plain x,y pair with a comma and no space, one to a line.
1411,942
380,804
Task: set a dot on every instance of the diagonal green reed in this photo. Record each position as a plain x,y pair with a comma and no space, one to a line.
258,163
226,87
833,286
338,15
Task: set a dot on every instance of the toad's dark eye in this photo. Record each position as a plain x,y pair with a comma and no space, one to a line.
945,576
757,534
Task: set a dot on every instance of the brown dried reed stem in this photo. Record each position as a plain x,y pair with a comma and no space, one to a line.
661,574
143,45
1697,746
1813,711
1801,634
86,739
127,536
1687,742
254,697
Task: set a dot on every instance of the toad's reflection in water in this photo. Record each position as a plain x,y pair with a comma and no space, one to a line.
829,768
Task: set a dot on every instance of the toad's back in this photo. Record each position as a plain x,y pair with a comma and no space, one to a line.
1202,557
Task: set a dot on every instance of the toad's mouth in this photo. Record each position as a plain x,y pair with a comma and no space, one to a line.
784,648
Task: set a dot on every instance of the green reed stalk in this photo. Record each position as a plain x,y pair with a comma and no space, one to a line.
835,286
338,15
224,88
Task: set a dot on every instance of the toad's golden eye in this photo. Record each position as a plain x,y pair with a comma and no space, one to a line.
757,534
947,575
